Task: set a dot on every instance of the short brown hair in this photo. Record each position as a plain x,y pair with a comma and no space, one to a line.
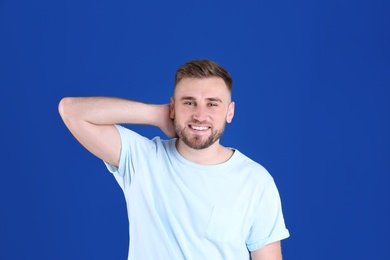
203,69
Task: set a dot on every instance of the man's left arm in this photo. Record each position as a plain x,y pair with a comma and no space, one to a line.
271,251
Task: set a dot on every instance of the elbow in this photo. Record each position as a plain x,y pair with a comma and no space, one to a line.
65,107
62,106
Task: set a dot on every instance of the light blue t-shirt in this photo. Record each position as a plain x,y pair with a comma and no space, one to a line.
181,210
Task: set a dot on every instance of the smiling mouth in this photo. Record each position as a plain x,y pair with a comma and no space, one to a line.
199,128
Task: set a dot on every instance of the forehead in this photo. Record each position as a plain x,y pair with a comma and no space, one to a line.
202,88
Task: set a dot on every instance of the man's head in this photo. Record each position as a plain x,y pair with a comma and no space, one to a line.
201,104
203,69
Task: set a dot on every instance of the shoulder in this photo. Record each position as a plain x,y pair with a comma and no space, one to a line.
134,142
249,166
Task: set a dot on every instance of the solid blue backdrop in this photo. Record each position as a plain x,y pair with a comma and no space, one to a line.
311,86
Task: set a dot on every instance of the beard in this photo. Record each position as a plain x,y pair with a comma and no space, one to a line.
195,141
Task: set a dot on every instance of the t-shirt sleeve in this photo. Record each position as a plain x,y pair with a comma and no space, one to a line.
268,225
134,151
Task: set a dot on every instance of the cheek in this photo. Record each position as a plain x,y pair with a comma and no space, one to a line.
178,117
182,113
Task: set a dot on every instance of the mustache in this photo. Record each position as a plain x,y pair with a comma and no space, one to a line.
198,122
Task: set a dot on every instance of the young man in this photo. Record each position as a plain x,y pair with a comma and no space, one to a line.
188,197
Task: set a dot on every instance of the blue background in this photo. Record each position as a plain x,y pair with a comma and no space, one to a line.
311,86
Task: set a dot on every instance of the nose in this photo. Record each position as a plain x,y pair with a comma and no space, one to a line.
200,114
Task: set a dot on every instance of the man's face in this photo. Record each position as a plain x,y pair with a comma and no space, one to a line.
200,109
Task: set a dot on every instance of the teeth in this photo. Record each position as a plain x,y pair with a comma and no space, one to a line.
200,128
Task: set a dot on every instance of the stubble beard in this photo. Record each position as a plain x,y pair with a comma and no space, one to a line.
197,142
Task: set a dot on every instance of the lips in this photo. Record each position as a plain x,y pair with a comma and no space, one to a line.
199,128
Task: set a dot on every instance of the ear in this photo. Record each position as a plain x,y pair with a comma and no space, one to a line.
172,109
230,113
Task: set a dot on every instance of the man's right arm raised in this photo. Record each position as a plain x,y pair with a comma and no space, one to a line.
91,120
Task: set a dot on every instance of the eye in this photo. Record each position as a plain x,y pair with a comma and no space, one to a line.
189,103
213,104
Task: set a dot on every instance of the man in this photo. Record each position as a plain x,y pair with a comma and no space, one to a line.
188,197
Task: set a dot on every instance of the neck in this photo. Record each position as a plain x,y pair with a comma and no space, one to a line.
214,154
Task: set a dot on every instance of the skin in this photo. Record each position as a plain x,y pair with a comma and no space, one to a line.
200,108
197,114
271,251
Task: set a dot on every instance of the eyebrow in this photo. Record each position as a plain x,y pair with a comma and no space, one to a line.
213,99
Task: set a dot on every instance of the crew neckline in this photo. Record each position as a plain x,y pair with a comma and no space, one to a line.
202,166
